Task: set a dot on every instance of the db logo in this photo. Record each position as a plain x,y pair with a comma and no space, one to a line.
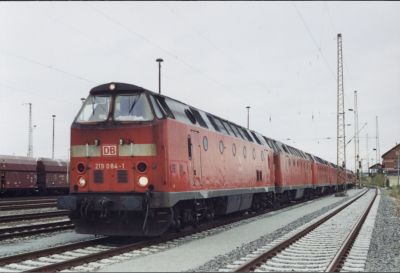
109,149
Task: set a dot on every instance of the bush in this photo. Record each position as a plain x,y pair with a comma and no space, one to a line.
374,180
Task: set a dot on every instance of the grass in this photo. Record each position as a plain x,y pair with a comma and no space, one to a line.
395,192
373,181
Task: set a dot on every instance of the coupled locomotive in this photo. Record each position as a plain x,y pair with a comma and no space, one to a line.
143,162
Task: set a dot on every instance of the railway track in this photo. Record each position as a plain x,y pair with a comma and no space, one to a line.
27,198
28,204
20,231
30,216
73,256
321,245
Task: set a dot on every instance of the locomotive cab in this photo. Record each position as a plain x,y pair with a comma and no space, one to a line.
112,141
116,158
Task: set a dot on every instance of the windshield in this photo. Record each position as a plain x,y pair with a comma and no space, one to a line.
134,107
95,109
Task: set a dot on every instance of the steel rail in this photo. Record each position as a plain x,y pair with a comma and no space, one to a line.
93,257
29,201
107,253
263,257
138,245
7,233
49,251
28,206
337,262
123,249
40,215
96,256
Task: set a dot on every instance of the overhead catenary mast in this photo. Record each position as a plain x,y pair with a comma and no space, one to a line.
341,124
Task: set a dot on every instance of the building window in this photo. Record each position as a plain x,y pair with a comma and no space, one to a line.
234,149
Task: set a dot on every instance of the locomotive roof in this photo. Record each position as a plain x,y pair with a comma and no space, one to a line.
119,87
116,87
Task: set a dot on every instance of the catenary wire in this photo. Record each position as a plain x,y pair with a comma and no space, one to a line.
142,37
314,41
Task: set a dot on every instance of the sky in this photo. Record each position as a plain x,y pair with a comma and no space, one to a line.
279,58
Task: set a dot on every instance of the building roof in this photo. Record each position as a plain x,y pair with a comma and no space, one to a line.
376,166
394,148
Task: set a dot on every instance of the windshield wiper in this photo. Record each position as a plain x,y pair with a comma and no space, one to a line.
133,104
94,101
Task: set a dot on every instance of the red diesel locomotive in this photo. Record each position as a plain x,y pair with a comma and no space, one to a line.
143,162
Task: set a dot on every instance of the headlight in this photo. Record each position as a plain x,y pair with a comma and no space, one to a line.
143,181
82,182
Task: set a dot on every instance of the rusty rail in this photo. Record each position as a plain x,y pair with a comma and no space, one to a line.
30,216
49,251
337,262
36,205
7,233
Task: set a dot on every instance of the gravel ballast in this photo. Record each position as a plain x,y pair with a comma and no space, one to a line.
213,252
222,260
384,250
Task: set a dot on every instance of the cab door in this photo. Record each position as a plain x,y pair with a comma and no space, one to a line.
194,154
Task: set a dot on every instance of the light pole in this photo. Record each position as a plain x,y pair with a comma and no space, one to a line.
248,113
398,168
33,129
159,60
355,138
52,146
30,131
